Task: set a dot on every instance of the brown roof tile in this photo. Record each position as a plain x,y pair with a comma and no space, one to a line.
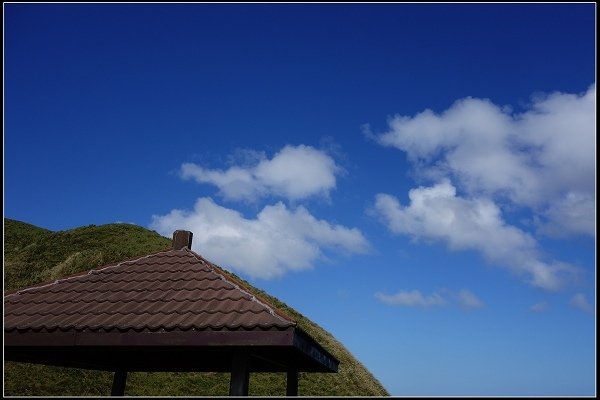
171,290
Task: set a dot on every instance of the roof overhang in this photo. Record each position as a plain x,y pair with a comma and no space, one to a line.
268,351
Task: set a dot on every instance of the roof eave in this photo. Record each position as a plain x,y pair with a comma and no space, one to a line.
42,347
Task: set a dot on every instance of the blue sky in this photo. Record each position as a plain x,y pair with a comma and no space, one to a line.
417,179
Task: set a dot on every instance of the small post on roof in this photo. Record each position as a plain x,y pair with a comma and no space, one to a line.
118,386
292,383
182,239
240,375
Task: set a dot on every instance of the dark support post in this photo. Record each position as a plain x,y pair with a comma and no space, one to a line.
240,375
292,383
118,386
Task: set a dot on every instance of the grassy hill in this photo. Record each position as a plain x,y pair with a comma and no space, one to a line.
33,255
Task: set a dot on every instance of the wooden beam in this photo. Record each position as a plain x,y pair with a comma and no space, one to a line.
240,375
292,383
118,386
316,352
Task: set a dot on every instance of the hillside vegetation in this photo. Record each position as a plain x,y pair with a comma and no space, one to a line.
33,255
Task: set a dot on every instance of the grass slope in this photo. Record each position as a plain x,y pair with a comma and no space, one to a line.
34,255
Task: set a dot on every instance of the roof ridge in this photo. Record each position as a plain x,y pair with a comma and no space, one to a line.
84,273
274,311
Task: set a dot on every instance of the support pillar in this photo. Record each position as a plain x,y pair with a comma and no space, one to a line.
240,375
118,386
292,383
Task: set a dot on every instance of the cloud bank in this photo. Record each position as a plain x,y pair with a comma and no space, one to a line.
437,213
278,240
541,160
295,173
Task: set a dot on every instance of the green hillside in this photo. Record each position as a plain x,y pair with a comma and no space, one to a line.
33,255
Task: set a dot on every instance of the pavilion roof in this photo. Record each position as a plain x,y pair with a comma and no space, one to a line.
175,290
168,311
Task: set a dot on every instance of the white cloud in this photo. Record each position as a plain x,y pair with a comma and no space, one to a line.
276,241
539,307
579,301
469,300
295,172
436,213
542,159
412,298
574,213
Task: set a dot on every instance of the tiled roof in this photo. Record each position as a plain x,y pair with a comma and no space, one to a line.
175,290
